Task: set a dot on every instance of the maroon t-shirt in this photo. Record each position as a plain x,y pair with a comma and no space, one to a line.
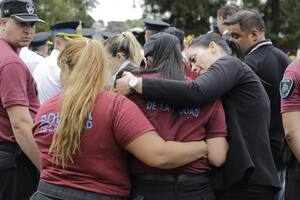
17,88
291,100
101,165
189,124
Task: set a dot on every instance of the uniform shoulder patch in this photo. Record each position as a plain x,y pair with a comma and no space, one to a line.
286,87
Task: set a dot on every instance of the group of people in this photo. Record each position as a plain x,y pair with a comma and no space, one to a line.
198,122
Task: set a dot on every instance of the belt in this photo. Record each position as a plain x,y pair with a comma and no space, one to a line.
172,177
67,193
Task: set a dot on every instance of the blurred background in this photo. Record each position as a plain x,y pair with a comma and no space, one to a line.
282,17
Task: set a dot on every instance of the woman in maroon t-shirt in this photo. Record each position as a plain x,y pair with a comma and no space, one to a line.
83,133
191,181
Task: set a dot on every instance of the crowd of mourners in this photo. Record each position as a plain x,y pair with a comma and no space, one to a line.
216,118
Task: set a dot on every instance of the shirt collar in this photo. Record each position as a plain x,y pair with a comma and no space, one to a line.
258,45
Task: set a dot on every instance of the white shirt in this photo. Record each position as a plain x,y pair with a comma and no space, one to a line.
30,58
47,77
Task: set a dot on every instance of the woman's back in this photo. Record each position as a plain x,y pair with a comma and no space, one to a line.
181,124
176,123
100,165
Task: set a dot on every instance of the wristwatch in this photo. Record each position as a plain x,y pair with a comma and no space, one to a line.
133,82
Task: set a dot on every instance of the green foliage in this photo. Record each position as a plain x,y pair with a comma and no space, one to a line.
135,23
281,16
190,15
53,11
291,25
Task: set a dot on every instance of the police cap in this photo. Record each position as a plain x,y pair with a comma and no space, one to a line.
176,32
67,29
40,39
88,32
20,10
155,24
106,35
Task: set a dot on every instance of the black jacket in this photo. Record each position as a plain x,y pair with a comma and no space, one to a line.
247,109
269,63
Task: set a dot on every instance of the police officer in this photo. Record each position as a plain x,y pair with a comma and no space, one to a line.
38,49
290,109
88,33
106,35
47,73
222,14
40,43
19,154
154,26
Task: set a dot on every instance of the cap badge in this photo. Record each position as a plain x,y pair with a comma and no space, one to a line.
30,8
79,28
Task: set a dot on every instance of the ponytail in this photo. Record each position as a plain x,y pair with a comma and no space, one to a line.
127,44
87,63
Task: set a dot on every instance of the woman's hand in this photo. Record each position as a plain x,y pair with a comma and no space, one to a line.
122,84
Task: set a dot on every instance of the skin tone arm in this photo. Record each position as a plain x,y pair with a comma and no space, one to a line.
22,124
217,151
291,127
166,154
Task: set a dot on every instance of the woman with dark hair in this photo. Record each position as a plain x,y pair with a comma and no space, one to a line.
85,133
249,171
190,182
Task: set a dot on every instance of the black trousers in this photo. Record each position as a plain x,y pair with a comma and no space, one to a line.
40,196
48,191
19,178
247,191
292,185
196,188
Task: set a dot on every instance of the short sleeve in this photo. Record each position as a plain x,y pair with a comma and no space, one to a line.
291,102
128,122
216,126
13,85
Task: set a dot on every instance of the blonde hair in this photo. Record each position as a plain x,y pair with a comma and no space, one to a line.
87,63
127,44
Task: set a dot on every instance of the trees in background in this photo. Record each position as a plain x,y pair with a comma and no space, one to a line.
53,11
190,15
193,16
281,16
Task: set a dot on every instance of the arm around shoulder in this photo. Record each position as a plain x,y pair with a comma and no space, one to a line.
220,78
